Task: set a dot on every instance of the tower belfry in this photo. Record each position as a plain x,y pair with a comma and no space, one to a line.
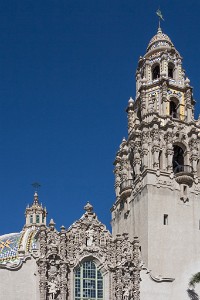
157,169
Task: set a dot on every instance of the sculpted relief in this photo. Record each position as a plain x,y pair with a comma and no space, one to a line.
87,249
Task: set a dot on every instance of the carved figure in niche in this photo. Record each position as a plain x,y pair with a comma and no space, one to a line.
152,101
131,119
117,180
89,237
53,269
53,242
53,289
103,240
124,167
42,242
127,293
136,163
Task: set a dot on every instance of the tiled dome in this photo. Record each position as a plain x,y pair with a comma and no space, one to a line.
10,245
160,40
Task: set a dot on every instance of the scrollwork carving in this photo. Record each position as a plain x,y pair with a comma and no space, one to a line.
87,237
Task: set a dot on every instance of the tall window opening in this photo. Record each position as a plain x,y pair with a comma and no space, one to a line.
37,219
173,109
31,219
88,282
171,70
156,72
160,159
178,159
165,219
139,114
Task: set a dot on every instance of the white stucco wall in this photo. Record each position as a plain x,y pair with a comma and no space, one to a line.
21,284
178,289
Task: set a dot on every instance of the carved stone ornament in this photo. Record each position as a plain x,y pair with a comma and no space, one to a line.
86,239
52,264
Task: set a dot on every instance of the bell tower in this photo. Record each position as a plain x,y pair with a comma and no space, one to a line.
157,169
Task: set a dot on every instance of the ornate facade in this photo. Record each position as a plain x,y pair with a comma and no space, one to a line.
157,185
83,262
87,241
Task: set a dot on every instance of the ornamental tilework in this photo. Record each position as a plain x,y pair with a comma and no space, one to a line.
16,247
9,245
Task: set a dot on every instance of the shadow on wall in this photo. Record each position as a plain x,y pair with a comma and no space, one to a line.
192,294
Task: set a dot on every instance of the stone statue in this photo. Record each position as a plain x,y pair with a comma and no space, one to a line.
53,289
90,237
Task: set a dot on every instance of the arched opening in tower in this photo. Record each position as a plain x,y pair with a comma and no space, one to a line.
171,70
160,160
178,159
173,109
156,72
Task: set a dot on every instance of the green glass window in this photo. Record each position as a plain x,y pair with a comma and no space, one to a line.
31,219
37,219
88,282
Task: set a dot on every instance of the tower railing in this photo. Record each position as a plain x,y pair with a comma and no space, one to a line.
183,169
184,174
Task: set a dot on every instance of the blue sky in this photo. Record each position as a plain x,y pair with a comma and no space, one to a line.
67,70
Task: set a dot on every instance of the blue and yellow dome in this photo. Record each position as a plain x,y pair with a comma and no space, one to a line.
15,247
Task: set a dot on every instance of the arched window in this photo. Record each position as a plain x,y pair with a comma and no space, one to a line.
156,72
88,282
171,70
31,219
178,159
173,107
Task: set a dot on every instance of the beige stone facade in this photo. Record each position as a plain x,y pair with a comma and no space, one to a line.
157,172
154,247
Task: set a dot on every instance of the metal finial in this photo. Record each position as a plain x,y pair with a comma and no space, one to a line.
159,14
36,185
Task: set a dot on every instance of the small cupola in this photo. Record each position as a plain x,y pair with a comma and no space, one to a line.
36,213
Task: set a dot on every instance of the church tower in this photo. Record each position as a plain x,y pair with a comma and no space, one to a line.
157,169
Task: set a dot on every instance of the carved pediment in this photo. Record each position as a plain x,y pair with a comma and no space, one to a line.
88,236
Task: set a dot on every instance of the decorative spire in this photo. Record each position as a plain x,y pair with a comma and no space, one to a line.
36,186
52,224
130,102
159,30
35,199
